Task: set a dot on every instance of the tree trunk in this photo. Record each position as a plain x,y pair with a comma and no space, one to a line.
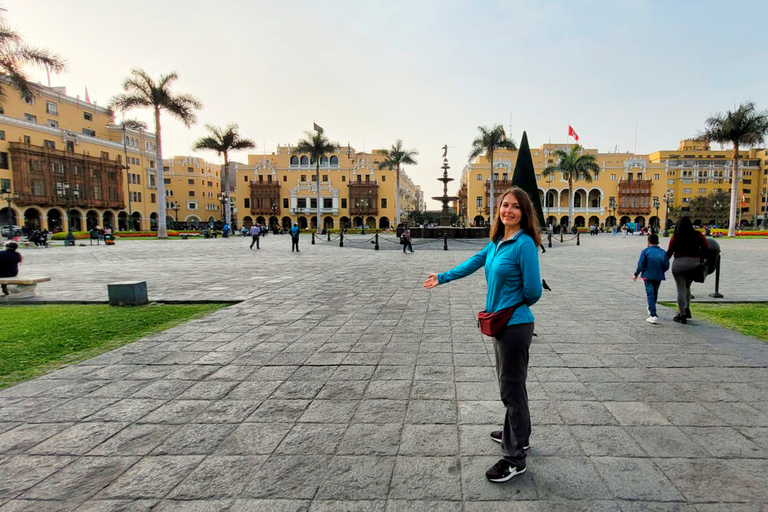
570,202
162,233
227,199
397,200
491,203
734,191
317,178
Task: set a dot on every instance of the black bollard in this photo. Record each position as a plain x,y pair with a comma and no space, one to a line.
578,240
717,294
445,241
313,238
341,238
329,235
549,236
376,247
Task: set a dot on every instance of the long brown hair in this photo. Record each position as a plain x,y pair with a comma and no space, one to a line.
528,223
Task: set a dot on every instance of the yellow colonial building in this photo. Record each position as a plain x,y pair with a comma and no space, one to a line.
192,192
64,161
281,188
629,189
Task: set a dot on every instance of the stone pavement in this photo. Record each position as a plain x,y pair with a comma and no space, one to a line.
338,383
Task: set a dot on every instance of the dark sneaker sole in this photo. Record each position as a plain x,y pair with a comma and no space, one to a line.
507,478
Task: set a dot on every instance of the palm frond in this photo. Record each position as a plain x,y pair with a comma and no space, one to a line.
128,101
134,124
41,57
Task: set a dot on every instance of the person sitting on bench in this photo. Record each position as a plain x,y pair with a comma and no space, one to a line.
9,262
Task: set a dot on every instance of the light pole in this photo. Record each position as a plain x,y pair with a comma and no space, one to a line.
9,196
668,198
70,240
657,204
274,214
612,208
175,206
223,198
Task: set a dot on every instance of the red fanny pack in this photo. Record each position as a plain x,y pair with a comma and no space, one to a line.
492,323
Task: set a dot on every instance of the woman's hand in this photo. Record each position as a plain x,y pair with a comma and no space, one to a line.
431,281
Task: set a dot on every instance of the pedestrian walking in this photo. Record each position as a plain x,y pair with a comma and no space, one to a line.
255,232
511,261
295,238
405,239
651,266
689,247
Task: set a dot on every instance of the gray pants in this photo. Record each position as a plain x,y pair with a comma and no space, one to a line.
682,271
512,370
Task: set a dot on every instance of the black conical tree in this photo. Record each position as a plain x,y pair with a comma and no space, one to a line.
525,177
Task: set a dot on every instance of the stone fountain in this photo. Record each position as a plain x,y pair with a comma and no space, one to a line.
445,215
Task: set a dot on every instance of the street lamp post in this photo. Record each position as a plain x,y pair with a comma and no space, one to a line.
668,198
8,196
175,206
657,204
612,208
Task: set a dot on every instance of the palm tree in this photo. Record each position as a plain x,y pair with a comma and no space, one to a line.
573,166
743,127
488,142
393,158
316,145
222,142
15,54
142,91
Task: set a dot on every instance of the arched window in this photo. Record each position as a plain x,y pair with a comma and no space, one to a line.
304,161
294,161
323,161
334,161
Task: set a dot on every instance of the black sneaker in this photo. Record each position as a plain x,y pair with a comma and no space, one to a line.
687,313
496,436
680,319
503,471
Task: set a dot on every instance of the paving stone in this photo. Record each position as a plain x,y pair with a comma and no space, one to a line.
126,410
371,439
26,436
312,439
348,506
584,413
276,477
357,478
18,473
666,441
80,480
636,479
138,439
78,439
429,440
380,411
195,506
407,481
177,412
194,439
95,505
151,477
597,441
282,505
218,476
254,438
475,487
635,413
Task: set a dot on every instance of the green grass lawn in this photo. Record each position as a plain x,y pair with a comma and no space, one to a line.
39,338
749,319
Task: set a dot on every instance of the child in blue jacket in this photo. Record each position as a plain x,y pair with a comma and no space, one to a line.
653,263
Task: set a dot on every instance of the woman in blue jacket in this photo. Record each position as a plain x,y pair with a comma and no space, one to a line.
511,262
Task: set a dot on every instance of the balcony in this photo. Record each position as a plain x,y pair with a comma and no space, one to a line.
313,211
365,210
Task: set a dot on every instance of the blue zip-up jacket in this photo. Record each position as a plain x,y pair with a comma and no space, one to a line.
511,272
653,263
295,231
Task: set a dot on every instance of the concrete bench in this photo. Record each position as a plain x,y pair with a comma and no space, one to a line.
21,287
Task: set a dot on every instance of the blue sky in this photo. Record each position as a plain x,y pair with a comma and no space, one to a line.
428,72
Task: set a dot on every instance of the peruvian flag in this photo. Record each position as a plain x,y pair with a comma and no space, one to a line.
572,133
